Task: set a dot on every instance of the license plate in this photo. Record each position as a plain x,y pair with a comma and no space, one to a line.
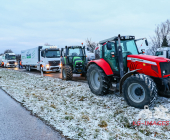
79,70
55,69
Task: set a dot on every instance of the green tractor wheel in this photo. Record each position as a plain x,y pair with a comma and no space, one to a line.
67,73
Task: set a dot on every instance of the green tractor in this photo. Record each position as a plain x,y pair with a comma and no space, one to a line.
73,60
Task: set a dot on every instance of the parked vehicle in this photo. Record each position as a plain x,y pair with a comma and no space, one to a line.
9,60
163,52
45,58
1,61
73,60
90,55
138,77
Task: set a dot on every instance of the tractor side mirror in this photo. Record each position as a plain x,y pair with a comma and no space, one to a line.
146,42
88,49
143,51
109,46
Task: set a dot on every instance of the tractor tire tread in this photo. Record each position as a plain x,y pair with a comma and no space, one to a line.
148,82
69,73
104,88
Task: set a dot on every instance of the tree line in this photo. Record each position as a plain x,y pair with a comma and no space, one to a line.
161,37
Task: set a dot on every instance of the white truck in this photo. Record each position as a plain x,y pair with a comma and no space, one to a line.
90,56
163,52
45,58
9,60
0,60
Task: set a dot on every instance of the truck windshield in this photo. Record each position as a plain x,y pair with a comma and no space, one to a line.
11,57
75,52
129,46
52,54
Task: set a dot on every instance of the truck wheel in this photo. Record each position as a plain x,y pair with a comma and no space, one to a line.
67,73
139,90
29,68
98,81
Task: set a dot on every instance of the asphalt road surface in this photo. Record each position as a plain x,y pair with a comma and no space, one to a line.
76,77
16,123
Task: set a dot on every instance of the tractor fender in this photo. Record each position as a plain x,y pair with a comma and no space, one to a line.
125,77
103,64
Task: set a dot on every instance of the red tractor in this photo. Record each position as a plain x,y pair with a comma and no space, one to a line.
138,77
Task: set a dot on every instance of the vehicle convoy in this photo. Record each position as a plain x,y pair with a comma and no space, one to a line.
8,60
45,58
73,60
138,77
163,52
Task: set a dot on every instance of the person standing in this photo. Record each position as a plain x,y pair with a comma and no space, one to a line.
20,64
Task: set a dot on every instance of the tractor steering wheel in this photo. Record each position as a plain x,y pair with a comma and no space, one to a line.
74,54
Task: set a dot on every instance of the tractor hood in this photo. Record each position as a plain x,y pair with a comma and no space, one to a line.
149,58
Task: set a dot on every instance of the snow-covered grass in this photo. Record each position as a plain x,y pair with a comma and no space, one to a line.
71,108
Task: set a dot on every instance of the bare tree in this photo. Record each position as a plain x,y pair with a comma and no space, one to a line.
91,45
151,51
162,31
8,51
46,44
18,57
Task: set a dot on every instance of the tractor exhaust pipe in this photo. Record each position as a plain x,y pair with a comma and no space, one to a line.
120,58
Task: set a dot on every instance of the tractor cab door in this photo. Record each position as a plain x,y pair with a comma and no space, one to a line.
128,47
110,55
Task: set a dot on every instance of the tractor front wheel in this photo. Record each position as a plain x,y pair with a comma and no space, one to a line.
67,73
83,74
139,90
98,81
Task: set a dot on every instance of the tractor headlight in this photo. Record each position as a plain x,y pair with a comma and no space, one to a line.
47,66
7,63
164,72
15,63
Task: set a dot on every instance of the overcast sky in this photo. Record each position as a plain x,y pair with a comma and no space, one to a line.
30,23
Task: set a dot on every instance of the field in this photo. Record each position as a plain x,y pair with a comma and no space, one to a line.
71,108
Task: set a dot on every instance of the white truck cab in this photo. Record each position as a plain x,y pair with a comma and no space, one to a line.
46,58
163,52
9,60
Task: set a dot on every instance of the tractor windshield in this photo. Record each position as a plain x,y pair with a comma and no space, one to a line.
129,46
52,54
75,52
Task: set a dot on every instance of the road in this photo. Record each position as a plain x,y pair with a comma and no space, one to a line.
76,77
16,123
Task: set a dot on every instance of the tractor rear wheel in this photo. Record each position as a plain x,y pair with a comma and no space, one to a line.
67,73
139,90
98,81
